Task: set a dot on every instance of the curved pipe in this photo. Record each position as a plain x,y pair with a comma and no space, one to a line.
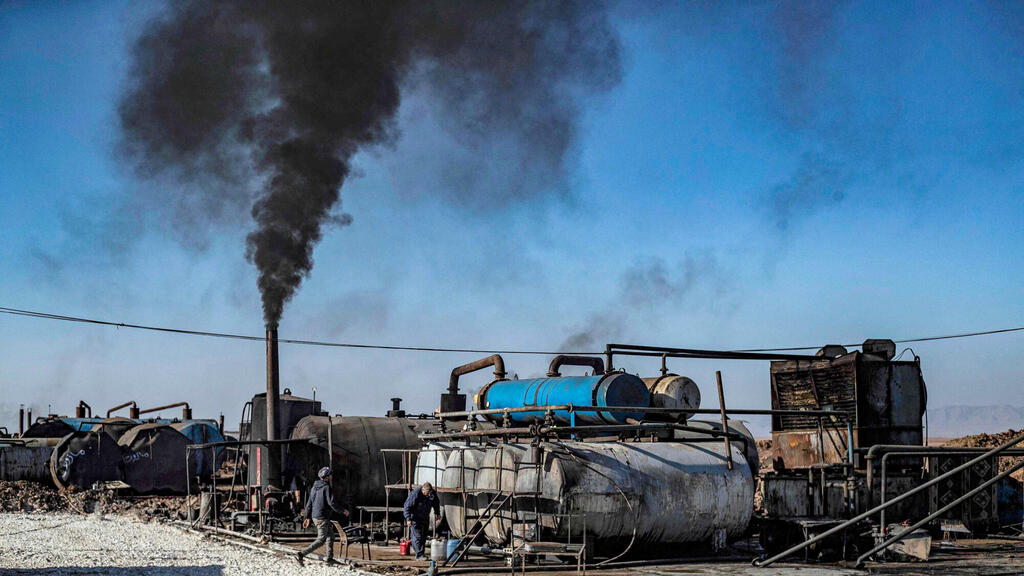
175,405
494,360
84,409
119,406
570,360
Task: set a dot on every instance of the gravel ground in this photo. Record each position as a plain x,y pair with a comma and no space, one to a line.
71,544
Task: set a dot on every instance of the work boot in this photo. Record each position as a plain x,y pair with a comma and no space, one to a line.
298,558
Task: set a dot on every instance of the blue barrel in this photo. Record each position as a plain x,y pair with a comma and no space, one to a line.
453,543
615,389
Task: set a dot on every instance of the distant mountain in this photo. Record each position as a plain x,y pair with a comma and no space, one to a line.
954,421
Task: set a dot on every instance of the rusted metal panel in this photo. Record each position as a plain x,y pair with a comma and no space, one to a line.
803,449
785,496
25,462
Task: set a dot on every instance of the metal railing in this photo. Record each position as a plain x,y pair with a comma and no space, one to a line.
993,452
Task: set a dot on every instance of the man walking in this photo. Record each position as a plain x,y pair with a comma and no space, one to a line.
417,515
318,507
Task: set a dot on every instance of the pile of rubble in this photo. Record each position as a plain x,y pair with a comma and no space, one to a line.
23,496
991,441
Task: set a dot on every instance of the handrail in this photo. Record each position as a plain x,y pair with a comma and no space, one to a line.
660,410
997,450
939,512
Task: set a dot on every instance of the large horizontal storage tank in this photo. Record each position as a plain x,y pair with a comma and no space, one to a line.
496,478
675,392
83,458
26,459
430,463
207,461
59,426
153,457
357,459
611,389
748,445
458,489
661,492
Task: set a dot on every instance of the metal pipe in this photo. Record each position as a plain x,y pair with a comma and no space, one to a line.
939,512
273,403
29,419
875,450
634,350
118,407
845,416
725,423
570,360
175,405
493,360
998,449
82,409
21,419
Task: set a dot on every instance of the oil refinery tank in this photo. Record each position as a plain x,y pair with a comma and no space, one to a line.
672,391
83,458
58,427
640,492
497,476
610,389
154,459
430,463
115,427
356,443
460,475
203,432
748,445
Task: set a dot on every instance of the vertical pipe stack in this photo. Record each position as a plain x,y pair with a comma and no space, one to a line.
273,405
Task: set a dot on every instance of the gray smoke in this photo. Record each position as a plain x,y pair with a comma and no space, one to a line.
260,106
647,291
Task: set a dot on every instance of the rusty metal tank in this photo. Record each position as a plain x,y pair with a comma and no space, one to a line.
154,459
460,475
672,391
83,458
115,427
26,459
356,443
497,473
644,492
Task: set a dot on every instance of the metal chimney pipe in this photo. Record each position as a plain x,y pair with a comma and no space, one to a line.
21,420
273,403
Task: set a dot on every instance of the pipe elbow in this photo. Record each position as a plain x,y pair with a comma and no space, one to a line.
557,362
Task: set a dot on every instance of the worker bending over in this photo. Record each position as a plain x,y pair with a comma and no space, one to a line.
418,505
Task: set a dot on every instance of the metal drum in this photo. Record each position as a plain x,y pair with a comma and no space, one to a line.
672,391
612,389
497,478
461,473
641,492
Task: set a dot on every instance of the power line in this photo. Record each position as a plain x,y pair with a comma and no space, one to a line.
49,316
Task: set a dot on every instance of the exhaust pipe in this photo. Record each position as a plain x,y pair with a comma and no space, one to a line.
569,360
21,420
82,409
455,402
273,405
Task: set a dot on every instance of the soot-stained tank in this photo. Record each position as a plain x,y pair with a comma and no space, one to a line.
83,458
292,409
498,475
661,492
357,460
203,432
460,474
26,459
153,457
59,427
748,446
672,391
115,427
610,389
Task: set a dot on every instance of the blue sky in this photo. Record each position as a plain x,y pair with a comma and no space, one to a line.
763,175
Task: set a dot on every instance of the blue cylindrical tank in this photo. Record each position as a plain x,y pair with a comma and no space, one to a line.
203,432
614,389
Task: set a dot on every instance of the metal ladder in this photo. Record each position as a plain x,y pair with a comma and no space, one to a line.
489,513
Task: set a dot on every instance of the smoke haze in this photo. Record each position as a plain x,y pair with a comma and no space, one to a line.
259,107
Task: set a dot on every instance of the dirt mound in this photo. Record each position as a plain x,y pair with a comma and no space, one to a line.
991,441
22,496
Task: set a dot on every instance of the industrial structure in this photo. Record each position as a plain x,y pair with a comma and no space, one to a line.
591,469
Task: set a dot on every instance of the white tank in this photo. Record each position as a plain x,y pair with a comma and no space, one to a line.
672,391
668,492
461,473
498,474
430,463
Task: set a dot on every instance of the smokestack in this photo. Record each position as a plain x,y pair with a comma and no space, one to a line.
273,403
21,420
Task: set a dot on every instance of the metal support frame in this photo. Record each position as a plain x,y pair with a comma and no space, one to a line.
993,452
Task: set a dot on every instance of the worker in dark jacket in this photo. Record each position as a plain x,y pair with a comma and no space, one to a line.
418,505
318,507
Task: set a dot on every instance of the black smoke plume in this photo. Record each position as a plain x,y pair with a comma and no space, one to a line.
261,105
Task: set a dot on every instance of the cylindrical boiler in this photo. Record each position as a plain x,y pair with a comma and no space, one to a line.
661,492
612,389
675,392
